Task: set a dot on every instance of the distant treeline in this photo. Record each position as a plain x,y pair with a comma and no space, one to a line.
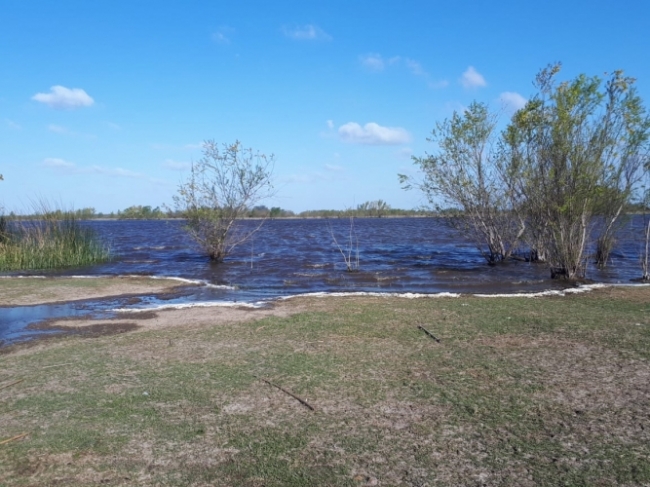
376,209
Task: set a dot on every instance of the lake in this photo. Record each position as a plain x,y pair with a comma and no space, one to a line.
296,256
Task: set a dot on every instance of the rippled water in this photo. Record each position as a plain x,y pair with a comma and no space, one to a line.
295,256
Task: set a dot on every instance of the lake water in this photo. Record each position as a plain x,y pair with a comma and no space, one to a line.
297,256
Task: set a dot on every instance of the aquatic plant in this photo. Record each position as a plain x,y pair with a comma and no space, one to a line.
53,240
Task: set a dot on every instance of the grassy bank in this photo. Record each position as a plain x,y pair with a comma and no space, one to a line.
519,391
53,241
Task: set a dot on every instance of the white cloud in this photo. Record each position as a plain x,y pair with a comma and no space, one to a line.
223,35
376,62
113,171
307,32
415,67
334,168
373,134
57,129
330,124
512,101
373,62
61,97
176,165
55,162
472,78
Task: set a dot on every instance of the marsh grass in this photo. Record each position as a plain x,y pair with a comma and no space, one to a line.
50,240
521,392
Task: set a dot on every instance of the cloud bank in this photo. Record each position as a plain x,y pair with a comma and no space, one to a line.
62,98
373,134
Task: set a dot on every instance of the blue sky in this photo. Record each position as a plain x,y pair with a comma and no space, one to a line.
105,104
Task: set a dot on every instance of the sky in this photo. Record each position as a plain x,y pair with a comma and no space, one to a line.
106,104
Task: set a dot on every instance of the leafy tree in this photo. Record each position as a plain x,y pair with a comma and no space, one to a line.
223,185
463,173
574,151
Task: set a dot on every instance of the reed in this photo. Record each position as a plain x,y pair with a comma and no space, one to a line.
54,239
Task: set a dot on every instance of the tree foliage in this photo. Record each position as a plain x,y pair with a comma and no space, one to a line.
575,152
463,173
558,177
223,185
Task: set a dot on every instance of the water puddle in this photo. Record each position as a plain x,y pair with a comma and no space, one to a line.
22,323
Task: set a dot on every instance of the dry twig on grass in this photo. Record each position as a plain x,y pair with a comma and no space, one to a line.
301,401
429,333
14,438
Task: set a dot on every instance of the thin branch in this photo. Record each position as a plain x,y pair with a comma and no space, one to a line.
429,333
9,440
301,401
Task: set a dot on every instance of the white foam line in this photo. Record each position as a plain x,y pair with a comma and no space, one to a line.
374,294
197,282
551,292
205,304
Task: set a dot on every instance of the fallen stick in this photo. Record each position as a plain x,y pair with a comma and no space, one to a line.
17,437
12,383
301,401
429,333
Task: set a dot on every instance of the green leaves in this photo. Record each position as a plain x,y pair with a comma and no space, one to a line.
573,151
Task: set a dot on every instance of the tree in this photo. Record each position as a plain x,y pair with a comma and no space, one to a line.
645,203
464,173
376,208
223,185
573,152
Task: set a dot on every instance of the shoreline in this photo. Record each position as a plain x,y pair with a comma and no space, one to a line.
27,290
33,291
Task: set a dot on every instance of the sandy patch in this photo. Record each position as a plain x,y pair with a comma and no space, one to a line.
26,291
188,318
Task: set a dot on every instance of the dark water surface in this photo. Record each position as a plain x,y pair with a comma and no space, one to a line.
296,256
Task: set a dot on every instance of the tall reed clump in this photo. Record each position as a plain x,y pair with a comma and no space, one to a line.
48,240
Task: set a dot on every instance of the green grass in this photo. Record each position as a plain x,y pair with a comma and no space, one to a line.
54,241
545,391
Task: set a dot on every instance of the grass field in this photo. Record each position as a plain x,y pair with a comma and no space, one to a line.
519,391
